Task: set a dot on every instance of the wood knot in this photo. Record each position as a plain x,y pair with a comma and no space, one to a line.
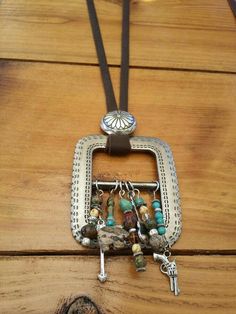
80,305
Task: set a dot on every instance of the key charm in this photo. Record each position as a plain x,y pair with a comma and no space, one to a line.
102,276
170,269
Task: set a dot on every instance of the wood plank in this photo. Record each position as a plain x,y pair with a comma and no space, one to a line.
44,284
174,34
46,108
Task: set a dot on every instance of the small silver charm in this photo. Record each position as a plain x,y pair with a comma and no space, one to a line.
102,276
118,122
170,269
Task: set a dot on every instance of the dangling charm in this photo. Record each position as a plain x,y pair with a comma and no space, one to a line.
168,268
156,242
131,219
89,231
110,208
156,205
112,235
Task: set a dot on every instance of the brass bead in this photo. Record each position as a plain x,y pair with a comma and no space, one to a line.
143,210
94,212
136,248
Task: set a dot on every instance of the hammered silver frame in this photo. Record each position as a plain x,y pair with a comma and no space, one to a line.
82,182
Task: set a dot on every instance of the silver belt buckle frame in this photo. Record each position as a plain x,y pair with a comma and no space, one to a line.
82,182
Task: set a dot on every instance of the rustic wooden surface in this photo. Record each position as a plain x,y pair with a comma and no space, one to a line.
171,33
44,284
44,111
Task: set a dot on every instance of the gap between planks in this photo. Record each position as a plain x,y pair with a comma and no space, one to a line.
152,68
87,252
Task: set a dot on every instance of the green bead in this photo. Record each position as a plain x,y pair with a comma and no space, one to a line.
161,230
156,204
150,224
158,215
125,205
140,262
96,200
139,201
110,202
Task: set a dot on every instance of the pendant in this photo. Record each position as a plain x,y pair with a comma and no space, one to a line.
88,224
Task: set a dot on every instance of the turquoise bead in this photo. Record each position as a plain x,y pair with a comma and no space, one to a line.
156,204
139,201
160,221
158,215
110,222
161,230
125,205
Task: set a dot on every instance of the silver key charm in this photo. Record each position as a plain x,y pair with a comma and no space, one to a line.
170,269
102,276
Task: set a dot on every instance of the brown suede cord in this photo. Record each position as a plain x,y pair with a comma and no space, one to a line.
232,4
116,144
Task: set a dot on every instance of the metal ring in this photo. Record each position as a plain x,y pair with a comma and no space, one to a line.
99,191
134,189
167,253
115,188
157,187
138,192
131,194
121,192
131,185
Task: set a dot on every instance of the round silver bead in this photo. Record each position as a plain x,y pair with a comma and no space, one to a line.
152,232
118,122
86,242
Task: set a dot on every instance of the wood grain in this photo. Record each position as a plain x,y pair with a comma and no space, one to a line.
30,284
172,33
46,108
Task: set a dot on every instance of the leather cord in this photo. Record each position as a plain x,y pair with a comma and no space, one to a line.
116,144
124,73
232,4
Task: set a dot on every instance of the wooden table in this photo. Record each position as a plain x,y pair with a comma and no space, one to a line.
182,89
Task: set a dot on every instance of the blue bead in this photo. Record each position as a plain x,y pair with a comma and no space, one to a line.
158,215
156,204
161,230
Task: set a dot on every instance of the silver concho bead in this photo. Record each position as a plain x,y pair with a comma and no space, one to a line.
118,122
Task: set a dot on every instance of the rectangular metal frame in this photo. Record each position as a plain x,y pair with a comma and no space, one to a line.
82,182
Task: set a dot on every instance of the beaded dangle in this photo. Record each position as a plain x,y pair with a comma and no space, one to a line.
110,222
131,219
110,235
149,225
95,220
156,205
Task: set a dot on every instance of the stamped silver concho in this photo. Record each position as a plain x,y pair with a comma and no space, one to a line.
82,183
118,122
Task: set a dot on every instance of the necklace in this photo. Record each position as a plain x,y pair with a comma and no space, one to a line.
157,228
